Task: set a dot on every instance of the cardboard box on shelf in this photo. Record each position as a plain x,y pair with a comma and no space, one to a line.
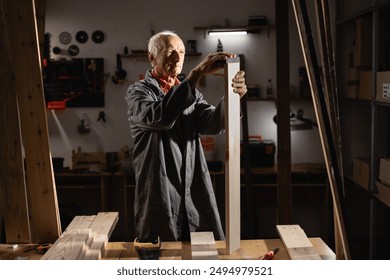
383,193
383,86
363,45
353,83
361,172
363,42
365,85
384,171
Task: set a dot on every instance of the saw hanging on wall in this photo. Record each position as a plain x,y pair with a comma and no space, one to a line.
120,73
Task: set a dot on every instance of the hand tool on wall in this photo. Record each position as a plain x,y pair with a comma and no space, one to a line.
102,116
58,104
120,74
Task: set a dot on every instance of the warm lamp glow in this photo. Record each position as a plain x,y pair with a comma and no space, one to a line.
227,32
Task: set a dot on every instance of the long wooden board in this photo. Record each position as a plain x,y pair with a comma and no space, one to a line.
13,198
330,88
283,153
232,158
24,45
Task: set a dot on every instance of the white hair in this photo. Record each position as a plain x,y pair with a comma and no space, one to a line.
155,44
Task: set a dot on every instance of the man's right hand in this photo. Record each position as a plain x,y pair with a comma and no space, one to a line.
210,64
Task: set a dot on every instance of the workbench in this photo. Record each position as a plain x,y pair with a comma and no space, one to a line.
250,250
94,192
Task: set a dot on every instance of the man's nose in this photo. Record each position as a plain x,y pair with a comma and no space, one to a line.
175,55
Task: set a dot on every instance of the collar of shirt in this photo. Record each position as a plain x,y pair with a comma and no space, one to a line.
164,85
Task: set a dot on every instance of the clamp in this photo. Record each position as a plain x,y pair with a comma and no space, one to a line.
148,250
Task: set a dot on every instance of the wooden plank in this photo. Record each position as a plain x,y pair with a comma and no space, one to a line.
40,14
249,225
232,158
13,198
80,222
284,195
296,242
203,246
325,125
202,238
86,237
43,204
104,223
330,88
69,246
322,249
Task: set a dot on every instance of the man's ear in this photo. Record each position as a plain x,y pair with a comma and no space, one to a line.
151,59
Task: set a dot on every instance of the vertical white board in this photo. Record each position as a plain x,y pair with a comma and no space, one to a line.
232,158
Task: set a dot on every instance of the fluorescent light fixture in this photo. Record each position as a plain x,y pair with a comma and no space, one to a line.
228,32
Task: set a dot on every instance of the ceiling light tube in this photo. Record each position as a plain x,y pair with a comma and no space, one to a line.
228,32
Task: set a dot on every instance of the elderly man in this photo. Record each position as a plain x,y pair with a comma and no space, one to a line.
174,194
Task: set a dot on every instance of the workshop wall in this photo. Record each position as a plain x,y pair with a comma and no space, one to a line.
129,24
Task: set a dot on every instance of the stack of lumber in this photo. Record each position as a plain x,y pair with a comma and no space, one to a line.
84,239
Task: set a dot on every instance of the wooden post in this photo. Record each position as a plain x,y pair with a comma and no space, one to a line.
283,112
13,198
25,58
232,158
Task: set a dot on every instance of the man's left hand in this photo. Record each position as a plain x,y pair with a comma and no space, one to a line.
238,83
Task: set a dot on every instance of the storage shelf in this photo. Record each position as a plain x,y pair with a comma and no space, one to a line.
377,11
359,100
364,12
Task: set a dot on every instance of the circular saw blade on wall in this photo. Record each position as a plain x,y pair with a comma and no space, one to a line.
65,37
98,36
73,50
81,37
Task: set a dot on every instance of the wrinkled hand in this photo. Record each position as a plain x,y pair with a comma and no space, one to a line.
238,83
213,62
208,65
